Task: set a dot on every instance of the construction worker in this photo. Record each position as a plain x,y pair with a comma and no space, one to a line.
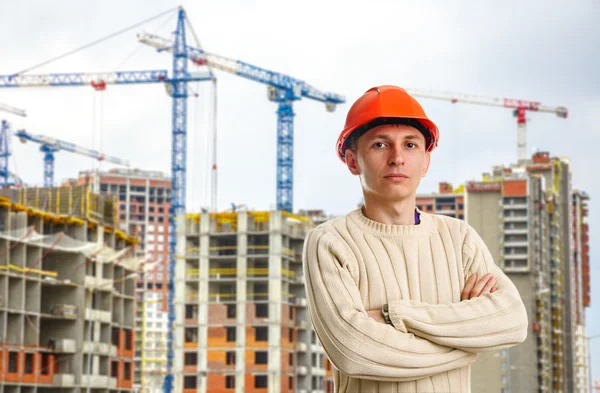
402,300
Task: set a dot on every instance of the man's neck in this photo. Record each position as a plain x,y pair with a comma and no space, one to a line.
396,213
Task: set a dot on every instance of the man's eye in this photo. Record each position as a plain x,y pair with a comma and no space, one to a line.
379,145
411,145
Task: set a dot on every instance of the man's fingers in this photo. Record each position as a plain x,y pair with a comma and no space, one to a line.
468,287
479,286
489,286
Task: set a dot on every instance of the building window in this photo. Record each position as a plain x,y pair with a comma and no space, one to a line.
290,383
127,371
230,334
191,358
291,359
231,311
189,311
189,382
291,335
291,312
158,285
229,382
262,310
128,339
262,333
260,381
261,358
45,364
230,358
191,335
28,363
114,369
160,219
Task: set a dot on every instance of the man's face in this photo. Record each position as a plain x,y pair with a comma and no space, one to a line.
390,161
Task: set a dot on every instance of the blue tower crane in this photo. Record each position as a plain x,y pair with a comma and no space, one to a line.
282,89
178,81
50,145
5,152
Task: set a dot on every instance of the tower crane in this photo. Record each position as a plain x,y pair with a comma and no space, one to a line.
49,146
520,108
282,89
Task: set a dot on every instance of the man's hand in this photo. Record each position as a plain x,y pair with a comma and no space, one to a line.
376,315
473,288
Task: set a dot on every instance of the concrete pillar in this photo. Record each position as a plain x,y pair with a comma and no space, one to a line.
241,300
179,300
202,300
276,298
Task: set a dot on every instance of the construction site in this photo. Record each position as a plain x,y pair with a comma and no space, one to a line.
112,280
67,292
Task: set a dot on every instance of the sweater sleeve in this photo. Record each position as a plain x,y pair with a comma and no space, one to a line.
356,344
488,322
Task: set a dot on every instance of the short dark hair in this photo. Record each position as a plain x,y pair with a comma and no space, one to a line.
350,142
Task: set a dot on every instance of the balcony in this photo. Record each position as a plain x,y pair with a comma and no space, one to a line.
302,370
516,243
516,256
66,345
301,302
96,381
516,231
515,218
319,371
98,315
303,324
301,347
63,380
515,206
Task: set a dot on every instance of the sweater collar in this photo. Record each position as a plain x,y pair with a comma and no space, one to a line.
424,228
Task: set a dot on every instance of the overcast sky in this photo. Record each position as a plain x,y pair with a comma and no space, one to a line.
525,49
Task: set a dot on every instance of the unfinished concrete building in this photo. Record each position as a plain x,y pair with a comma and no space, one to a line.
143,201
242,324
67,287
535,227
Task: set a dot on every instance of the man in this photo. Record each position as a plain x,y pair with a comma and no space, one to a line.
402,300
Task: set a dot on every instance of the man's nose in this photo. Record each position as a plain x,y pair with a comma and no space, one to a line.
396,157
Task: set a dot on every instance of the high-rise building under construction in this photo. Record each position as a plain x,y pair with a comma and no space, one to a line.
67,286
535,227
143,209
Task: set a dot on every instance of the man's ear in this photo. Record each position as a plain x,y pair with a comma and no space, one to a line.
351,162
427,162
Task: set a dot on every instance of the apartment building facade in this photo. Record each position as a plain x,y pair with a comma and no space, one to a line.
67,287
242,323
144,201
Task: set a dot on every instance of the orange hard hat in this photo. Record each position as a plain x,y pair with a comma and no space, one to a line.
385,102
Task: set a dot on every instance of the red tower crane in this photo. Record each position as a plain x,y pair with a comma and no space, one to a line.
520,107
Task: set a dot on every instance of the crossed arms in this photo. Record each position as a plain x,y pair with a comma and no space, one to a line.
423,339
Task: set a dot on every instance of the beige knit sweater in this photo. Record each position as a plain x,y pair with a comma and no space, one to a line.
353,264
